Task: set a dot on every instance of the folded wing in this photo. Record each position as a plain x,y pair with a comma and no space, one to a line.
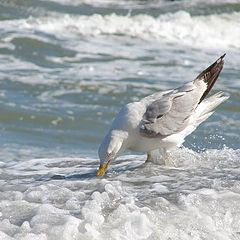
168,112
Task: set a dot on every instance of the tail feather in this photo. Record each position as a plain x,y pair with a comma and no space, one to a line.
210,75
204,111
208,104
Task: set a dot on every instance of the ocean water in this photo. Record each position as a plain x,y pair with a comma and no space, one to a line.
66,68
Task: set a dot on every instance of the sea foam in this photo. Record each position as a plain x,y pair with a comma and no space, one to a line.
134,201
210,31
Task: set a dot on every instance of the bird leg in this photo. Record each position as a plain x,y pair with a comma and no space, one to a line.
149,157
166,157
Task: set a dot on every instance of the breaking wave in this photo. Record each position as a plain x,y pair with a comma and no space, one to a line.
197,200
209,31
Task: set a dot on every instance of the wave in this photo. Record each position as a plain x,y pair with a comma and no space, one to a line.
73,167
212,31
198,201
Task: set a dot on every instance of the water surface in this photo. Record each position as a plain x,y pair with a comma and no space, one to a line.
66,68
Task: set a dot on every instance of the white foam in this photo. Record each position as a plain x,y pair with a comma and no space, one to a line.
4,236
117,215
212,31
199,199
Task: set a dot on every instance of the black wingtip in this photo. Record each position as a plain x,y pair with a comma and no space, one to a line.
223,56
210,75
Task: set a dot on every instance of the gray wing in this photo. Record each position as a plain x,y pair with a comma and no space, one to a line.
168,112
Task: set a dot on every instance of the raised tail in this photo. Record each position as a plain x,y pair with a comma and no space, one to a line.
210,75
203,111
206,107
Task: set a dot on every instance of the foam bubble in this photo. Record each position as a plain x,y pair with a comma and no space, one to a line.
4,236
194,200
181,28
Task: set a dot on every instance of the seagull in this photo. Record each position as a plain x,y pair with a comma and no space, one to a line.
161,120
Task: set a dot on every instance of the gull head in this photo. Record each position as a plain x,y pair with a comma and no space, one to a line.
109,149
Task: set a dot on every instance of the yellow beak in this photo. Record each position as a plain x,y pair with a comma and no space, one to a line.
102,169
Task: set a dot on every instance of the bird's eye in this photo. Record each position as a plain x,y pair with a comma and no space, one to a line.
159,116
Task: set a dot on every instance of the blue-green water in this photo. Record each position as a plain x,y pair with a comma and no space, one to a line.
66,68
